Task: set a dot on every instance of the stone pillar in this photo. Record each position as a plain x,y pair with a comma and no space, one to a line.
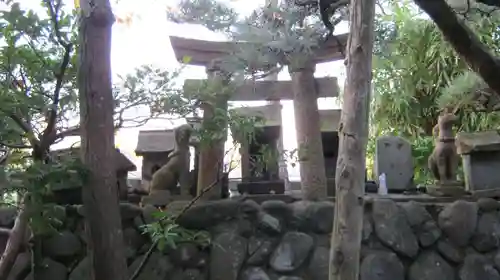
244,159
282,166
307,124
211,158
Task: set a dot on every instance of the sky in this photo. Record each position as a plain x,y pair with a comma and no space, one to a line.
146,41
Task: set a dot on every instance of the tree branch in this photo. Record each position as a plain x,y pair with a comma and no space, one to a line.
16,239
26,128
15,146
68,47
464,41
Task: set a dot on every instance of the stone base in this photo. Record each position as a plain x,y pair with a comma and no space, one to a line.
266,187
157,198
493,193
181,197
449,188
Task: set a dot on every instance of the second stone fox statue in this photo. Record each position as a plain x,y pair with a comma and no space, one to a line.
444,160
176,170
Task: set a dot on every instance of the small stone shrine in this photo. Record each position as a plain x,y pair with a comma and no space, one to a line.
480,153
72,194
259,177
154,146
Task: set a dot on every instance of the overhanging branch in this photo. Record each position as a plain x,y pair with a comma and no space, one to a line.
68,47
464,41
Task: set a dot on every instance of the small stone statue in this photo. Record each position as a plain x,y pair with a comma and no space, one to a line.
443,162
176,170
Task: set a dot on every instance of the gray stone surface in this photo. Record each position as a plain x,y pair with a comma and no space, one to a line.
422,223
185,255
477,267
82,270
158,267
228,252
381,266
430,266
458,220
259,250
450,252
481,170
254,273
313,216
52,271
393,229
487,235
276,240
319,264
393,157
293,250
62,246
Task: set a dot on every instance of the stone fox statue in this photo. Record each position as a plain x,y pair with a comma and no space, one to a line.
443,162
176,170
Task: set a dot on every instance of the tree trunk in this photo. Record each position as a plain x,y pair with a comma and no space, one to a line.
106,247
464,41
307,123
15,242
353,134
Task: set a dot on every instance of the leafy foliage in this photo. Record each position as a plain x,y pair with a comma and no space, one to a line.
38,70
39,179
272,35
167,233
416,74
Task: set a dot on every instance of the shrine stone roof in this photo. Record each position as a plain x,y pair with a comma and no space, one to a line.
123,163
155,141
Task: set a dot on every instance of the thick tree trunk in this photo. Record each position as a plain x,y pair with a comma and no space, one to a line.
353,134
106,248
307,124
16,240
464,41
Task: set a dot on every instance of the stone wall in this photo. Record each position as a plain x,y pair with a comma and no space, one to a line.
290,241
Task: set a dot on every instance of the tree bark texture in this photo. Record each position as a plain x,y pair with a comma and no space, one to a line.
464,41
307,124
353,134
17,237
211,159
106,247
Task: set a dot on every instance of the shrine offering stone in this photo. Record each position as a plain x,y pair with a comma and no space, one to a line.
480,153
393,157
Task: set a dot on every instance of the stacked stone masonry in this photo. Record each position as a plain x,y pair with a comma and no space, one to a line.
290,241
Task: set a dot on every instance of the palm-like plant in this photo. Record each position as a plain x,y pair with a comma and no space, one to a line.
416,73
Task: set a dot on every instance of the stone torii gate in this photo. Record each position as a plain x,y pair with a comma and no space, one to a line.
204,53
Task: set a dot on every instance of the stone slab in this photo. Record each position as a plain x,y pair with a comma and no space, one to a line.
478,141
481,170
393,156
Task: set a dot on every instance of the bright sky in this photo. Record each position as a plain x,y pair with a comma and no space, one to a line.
146,41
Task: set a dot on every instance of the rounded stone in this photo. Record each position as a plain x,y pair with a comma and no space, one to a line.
62,246
458,221
477,267
382,266
430,266
291,253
